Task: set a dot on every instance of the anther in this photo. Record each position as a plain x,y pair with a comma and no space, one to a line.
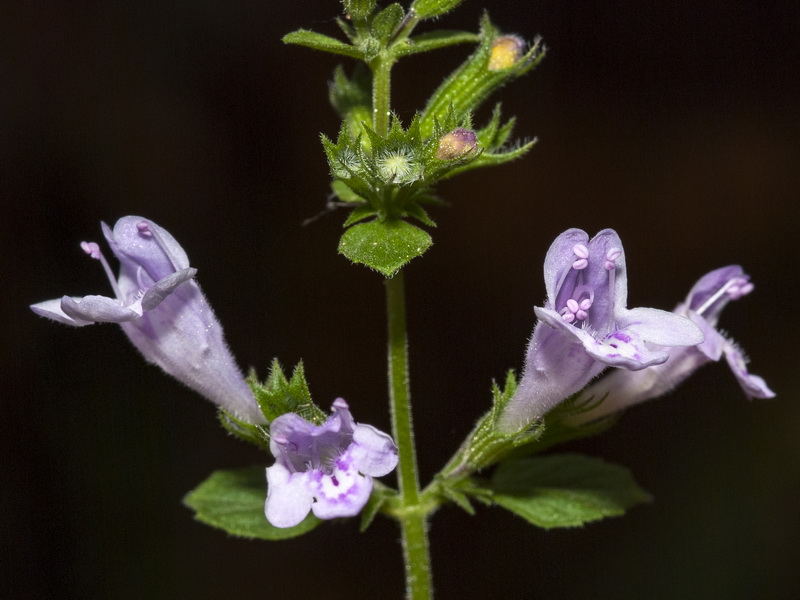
93,250
580,251
611,258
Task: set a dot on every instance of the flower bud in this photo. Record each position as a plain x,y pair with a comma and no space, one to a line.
456,144
506,51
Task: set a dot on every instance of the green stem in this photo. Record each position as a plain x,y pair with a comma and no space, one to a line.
413,517
381,92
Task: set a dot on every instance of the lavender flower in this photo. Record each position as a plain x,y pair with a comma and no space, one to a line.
703,306
163,312
327,469
585,326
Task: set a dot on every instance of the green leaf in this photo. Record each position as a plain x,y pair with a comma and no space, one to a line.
387,21
426,9
324,43
384,246
435,40
565,490
233,500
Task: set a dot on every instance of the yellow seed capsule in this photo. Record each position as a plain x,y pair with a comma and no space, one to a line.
505,52
457,143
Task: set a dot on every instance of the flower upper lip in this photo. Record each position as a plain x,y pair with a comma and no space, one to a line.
587,291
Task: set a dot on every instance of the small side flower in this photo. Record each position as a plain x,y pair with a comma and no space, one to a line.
704,304
326,469
163,312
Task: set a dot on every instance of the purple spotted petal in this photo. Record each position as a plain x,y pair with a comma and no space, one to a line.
334,461
343,492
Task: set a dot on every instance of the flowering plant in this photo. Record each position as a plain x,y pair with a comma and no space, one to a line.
385,172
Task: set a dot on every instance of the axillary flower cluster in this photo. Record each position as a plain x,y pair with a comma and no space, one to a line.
326,468
583,328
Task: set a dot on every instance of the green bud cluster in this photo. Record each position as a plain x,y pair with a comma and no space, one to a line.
387,172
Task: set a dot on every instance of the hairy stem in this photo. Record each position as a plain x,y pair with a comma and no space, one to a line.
413,518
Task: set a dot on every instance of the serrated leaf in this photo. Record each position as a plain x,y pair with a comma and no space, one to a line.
384,246
387,21
565,490
433,8
324,43
233,500
434,41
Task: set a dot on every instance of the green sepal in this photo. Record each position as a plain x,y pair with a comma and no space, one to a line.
385,246
380,495
485,445
488,159
324,43
414,210
345,193
427,9
386,22
433,40
279,395
465,89
233,500
564,490
248,432
365,211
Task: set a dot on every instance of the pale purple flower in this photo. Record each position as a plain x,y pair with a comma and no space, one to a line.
703,306
585,326
163,312
326,469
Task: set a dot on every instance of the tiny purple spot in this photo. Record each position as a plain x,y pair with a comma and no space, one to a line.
144,228
618,335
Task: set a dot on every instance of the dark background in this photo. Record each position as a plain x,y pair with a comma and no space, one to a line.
675,123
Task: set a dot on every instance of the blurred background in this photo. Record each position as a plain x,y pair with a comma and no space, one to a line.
675,123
